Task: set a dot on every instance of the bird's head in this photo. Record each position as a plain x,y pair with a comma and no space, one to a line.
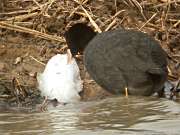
78,37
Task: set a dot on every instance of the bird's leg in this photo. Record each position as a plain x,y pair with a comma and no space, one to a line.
69,55
126,92
44,104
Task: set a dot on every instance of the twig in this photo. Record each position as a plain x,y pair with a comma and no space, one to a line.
20,11
169,70
37,60
75,9
176,24
37,4
164,4
63,48
89,17
23,23
44,10
91,20
5,96
136,3
115,4
167,10
9,26
22,17
110,25
148,21
113,17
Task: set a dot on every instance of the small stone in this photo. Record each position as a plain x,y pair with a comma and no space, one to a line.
18,60
33,74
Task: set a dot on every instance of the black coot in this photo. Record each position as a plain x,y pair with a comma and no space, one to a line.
120,58
78,36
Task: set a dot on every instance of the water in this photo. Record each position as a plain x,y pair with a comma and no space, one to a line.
111,116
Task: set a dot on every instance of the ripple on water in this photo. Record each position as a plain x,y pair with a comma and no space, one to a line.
118,115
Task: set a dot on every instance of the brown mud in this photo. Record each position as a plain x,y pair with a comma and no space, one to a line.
32,31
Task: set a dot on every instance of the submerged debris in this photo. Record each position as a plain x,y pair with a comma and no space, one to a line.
175,90
14,94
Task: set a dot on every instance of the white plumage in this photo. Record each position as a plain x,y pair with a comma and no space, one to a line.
61,79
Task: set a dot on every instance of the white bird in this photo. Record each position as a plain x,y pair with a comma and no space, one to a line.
61,79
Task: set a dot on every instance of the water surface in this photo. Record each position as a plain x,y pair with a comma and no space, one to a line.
117,115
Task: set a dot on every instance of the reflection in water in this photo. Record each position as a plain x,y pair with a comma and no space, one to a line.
119,115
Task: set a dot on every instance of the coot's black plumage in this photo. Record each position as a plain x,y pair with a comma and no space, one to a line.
122,58
78,36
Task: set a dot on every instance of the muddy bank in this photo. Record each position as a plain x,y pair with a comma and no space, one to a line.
21,60
33,32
